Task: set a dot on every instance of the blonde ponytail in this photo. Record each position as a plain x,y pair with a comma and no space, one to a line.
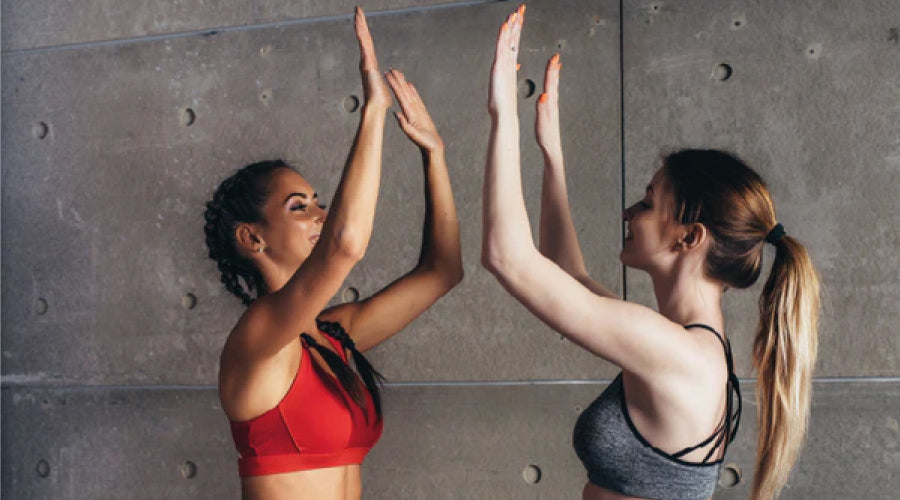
784,355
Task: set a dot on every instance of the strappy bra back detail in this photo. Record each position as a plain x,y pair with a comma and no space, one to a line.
618,458
315,425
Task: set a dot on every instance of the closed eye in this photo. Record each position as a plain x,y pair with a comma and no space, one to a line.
299,207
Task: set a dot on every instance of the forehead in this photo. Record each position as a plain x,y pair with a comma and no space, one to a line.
285,181
659,183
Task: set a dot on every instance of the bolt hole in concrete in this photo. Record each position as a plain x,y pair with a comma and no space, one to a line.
655,7
531,474
526,88
43,468
350,294
189,470
40,306
350,104
189,301
722,72
598,19
266,97
814,50
730,476
561,45
40,130
188,117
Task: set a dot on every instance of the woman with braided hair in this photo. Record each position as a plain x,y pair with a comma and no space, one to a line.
301,418
661,428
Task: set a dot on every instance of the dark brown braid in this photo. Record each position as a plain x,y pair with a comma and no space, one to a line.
238,199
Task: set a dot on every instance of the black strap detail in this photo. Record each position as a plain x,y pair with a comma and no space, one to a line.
726,431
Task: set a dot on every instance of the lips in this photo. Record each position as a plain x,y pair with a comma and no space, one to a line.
314,238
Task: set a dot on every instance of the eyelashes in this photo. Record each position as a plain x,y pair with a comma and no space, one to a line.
302,206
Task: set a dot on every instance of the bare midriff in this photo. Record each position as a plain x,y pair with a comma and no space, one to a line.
593,492
332,483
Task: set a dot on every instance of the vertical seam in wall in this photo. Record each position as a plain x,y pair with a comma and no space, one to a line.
622,136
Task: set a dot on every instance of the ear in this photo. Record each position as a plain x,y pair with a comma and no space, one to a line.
248,239
695,236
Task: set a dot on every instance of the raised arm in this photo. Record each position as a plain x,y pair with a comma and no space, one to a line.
557,238
440,261
277,318
631,336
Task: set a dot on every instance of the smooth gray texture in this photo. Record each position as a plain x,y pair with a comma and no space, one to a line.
108,206
439,442
45,23
812,105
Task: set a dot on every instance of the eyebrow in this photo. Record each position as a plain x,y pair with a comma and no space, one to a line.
301,195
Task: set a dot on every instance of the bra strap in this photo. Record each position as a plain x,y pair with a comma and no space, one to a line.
729,428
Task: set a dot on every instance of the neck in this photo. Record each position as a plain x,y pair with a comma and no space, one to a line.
274,277
685,298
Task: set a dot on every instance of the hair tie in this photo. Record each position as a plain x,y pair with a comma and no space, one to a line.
775,234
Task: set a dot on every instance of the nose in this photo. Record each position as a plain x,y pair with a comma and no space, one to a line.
322,215
626,214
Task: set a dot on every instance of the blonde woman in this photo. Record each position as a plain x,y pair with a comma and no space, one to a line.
660,430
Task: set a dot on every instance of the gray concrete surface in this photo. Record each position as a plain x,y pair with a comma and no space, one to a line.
440,442
113,318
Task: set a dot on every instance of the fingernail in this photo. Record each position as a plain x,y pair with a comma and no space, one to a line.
542,99
518,66
558,65
512,18
522,9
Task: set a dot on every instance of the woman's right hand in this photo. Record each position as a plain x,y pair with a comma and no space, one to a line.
502,95
374,88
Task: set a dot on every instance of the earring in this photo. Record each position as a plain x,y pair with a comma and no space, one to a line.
260,250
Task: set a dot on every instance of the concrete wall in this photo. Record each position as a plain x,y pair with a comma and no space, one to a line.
119,118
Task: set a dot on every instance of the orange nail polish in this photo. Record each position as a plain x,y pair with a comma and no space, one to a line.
542,99
518,66
522,10
558,65
512,18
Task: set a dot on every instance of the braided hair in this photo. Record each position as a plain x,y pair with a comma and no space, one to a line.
370,376
238,199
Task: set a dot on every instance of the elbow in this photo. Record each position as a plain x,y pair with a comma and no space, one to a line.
455,275
349,244
495,261
446,275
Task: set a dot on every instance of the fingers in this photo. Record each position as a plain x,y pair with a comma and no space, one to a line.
511,32
551,79
518,17
401,90
367,60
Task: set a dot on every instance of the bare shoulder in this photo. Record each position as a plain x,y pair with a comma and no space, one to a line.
250,383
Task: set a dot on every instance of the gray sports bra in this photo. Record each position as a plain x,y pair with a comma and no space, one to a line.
618,458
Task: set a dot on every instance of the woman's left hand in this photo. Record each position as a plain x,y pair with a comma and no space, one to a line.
414,118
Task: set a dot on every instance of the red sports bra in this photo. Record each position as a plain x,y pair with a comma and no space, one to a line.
316,425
